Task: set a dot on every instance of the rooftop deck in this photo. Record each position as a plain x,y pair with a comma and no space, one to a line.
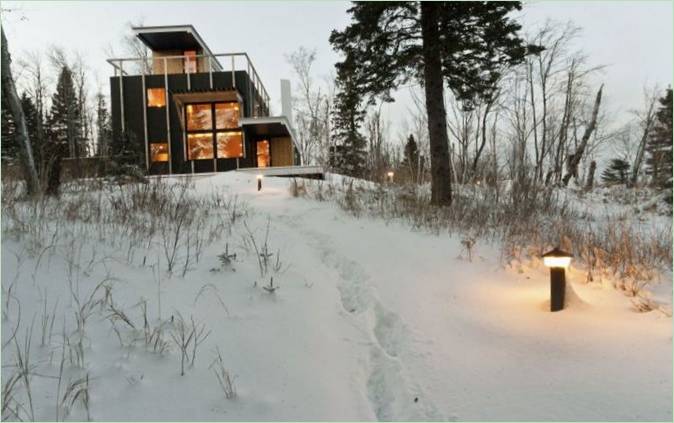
191,65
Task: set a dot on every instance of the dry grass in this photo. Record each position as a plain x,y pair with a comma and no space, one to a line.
524,221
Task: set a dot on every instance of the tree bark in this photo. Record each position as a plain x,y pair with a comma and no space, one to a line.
574,159
589,183
648,124
30,172
441,185
478,153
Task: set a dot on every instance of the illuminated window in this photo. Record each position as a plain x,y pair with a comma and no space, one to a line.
199,117
230,144
263,153
156,97
213,131
200,146
190,61
159,152
227,115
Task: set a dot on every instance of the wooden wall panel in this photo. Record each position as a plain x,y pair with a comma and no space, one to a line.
281,152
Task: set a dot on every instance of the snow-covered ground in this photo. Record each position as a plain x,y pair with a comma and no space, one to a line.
371,321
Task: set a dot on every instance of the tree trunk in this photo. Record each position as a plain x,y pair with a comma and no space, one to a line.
441,185
589,183
574,159
484,136
648,123
29,170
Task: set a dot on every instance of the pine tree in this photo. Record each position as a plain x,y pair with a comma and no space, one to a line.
464,44
63,129
659,148
32,125
616,173
9,149
65,122
410,163
126,154
103,126
349,153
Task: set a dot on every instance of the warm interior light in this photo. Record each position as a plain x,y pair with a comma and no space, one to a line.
557,261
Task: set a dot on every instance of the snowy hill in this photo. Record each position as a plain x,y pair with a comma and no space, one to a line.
366,319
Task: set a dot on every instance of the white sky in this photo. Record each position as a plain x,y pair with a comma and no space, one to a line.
634,38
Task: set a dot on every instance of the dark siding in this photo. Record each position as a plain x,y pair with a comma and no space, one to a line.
156,117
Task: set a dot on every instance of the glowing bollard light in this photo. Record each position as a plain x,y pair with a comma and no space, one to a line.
259,182
557,260
390,177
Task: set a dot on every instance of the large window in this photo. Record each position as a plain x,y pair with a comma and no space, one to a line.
199,117
200,146
213,131
230,144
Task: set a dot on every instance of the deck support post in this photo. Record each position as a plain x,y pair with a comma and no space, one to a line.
168,116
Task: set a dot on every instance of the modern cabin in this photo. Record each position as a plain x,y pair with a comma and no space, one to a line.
195,111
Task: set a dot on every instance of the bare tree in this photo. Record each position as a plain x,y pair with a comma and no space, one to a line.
574,159
646,119
312,109
23,140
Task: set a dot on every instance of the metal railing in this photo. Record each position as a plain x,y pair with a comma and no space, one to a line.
205,63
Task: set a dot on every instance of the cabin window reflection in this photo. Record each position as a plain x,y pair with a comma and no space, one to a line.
156,97
159,152
230,145
227,115
199,117
190,61
199,146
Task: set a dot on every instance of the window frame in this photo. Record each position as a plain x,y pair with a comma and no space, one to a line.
213,131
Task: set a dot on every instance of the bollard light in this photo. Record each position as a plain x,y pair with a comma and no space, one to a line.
259,182
557,260
390,176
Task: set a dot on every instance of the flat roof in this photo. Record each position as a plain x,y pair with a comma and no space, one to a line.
167,37
271,126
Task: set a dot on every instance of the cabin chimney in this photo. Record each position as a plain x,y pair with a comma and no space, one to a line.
286,100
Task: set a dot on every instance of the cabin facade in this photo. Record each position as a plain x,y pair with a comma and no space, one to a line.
194,111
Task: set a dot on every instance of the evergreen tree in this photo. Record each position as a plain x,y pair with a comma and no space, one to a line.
103,126
63,130
65,123
32,125
349,153
465,44
410,163
659,147
616,173
9,149
126,156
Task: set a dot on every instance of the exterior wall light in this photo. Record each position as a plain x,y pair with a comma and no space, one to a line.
259,182
557,260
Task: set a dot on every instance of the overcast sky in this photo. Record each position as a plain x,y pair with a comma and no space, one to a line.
634,39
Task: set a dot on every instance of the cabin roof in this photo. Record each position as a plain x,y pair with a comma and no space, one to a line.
269,126
172,37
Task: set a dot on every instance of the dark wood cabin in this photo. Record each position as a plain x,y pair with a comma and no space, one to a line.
194,111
